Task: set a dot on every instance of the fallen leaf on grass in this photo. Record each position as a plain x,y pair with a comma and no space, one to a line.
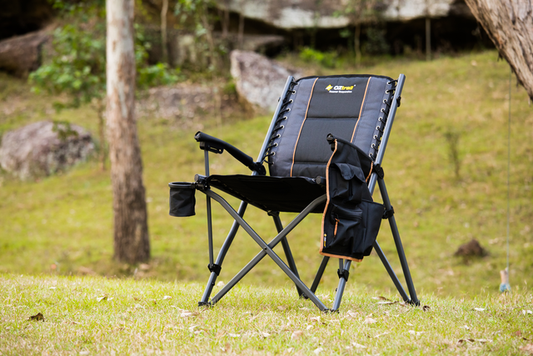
380,335
102,298
317,351
462,341
527,348
167,297
315,318
479,309
381,298
369,320
37,317
226,348
426,308
415,333
527,312
264,334
359,346
187,314
352,314
234,335
297,334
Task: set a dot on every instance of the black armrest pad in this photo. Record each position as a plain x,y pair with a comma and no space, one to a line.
232,150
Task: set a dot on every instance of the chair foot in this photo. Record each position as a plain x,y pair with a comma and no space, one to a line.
204,304
415,303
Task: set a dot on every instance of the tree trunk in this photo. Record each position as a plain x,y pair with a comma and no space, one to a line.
129,203
509,24
428,38
357,44
164,41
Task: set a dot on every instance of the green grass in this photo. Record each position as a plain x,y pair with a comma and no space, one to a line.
87,316
62,225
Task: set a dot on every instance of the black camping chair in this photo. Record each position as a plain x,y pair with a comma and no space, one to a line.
324,150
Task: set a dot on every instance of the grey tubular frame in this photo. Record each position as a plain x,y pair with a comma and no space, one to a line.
289,268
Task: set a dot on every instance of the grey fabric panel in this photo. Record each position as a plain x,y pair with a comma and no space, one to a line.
282,161
366,127
337,97
313,147
334,108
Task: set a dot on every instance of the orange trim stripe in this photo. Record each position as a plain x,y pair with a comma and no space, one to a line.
301,127
322,243
371,169
361,109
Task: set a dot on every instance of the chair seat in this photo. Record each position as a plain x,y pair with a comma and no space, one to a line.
282,194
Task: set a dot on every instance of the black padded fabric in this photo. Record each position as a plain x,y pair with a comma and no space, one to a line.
289,194
351,220
351,107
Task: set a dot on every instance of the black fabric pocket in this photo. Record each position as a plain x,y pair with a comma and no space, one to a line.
182,199
372,215
351,231
351,219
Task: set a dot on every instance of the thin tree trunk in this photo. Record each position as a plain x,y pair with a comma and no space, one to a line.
132,244
164,42
357,43
509,24
100,108
428,38
240,34
209,37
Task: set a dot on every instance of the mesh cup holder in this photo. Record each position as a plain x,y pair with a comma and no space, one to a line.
182,199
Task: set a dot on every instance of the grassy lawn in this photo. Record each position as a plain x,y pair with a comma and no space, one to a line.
62,225
88,315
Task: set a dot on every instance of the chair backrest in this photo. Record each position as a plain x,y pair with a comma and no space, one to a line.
352,107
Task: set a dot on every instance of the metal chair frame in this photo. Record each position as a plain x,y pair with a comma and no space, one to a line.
290,268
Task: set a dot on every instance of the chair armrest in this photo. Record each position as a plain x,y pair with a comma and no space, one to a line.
216,145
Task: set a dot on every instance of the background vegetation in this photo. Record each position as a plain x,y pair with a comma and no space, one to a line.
62,225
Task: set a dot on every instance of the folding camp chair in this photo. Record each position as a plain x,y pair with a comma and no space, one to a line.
324,150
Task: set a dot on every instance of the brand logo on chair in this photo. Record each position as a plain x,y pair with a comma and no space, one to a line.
339,89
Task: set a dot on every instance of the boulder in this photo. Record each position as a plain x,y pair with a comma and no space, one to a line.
44,148
21,55
259,81
296,14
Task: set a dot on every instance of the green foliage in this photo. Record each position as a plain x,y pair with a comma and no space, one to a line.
64,130
376,43
196,14
78,64
326,59
77,67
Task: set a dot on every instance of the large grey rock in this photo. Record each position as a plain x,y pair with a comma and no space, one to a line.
328,13
43,148
258,80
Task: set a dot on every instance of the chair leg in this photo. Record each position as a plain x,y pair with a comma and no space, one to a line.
267,248
398,243
343,278
287,251
221,255
391,272
319,273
